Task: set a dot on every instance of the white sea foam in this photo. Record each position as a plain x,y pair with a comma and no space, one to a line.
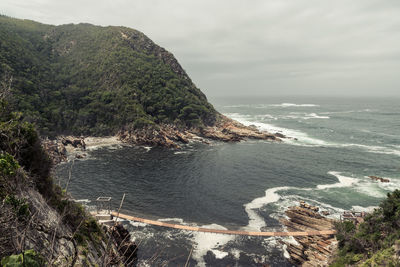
285,105
178,220
348,111
236,106
315,116
94,143
265,117
180,152
137,224
365,209
85,201
303,139
219,254
373,149
304,116
210,242
147,148
344,181
256,222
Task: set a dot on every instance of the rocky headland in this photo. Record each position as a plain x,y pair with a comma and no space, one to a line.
64,148
313,250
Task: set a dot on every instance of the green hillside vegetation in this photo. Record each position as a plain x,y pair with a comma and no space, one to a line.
25,167
376,241
92,80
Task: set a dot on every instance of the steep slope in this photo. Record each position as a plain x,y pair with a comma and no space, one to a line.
39,224
85,79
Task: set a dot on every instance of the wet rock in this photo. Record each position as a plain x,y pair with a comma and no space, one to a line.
80,156
280,135
73,141
379,179
309,250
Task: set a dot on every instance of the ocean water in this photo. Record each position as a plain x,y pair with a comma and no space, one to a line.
248,185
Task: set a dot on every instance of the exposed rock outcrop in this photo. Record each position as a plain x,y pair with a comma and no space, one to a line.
226,130
379,179
309,250
58,149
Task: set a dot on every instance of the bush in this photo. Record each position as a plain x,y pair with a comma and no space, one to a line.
373,239
28,258
8,165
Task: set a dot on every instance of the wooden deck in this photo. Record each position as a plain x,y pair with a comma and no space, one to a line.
216,231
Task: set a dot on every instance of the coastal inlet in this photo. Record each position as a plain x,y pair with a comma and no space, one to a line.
247,185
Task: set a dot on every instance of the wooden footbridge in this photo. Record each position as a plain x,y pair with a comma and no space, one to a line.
216,231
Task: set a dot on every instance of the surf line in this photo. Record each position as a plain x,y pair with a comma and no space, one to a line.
217,231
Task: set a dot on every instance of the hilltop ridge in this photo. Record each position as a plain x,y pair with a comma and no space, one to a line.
86,80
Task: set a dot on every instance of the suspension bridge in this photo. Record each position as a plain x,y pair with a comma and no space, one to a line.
218,231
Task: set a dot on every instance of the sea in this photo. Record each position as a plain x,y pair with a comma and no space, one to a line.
336,144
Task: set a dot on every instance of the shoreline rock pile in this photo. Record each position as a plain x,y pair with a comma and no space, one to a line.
309,250
58,149
379,179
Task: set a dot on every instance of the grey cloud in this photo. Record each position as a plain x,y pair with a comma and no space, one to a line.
226,46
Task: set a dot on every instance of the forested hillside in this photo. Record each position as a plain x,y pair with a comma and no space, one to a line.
92,80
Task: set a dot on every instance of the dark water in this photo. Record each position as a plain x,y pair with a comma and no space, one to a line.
248,185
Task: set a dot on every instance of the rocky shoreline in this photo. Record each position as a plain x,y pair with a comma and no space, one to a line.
309,250
165,135
226,130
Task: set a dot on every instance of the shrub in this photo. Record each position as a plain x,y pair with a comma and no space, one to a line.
28,258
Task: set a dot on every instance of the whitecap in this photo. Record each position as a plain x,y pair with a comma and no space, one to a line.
303,139
373,149
285,105
315,116
304,116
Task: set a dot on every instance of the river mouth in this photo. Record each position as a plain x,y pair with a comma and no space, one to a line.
243,186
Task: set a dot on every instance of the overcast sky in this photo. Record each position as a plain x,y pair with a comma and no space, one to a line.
258,47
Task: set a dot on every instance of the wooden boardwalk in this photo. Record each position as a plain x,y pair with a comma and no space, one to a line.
216,231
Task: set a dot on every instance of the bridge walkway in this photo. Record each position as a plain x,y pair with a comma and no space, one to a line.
217,231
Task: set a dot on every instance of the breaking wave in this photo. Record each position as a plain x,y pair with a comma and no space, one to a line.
285,105
303,139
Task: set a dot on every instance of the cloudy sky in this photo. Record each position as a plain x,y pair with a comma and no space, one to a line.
259,47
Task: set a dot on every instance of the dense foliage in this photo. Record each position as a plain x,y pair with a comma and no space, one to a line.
27,258
24,164
85,79
376,241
